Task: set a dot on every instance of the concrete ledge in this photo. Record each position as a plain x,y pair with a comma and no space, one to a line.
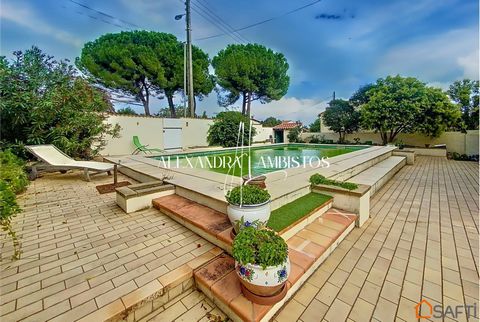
139,196
379,174
430,152
356,201
408,154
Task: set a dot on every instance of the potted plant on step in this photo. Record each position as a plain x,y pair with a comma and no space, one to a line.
248,204
262,264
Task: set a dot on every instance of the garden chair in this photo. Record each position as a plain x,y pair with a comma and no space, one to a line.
52,159
143,148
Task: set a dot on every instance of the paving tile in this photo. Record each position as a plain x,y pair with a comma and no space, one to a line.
327,293
105,312
314,312
338,311
361,311
292,312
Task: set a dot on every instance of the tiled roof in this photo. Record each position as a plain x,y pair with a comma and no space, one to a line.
286,125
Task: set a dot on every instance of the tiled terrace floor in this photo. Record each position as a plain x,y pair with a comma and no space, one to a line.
421,243
83,254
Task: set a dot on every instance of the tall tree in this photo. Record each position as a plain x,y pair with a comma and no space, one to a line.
402,105
465,94
341,117
315,126
271,121
251,71
44,101
143,64
360,96
438,113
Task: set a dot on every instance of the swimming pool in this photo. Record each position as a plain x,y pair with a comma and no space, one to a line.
261,160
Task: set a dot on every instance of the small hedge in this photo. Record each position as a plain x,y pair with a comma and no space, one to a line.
13,180
259,246
247,195
319,179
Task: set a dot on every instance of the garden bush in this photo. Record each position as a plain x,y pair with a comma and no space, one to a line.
319,179
45,101
13,180
247,195
224,130
254,245
294,135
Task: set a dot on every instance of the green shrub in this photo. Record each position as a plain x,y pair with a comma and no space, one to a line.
260,247
224,130
13,173
13,179
314,140
247,195
47,102
319,179
294,135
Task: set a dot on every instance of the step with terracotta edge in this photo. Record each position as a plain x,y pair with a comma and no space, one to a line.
215,226
219,281
210,224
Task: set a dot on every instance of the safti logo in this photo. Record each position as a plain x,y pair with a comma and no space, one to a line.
425,310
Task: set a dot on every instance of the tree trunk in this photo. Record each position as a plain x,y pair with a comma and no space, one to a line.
244,103
194,106
383,135
173,113
249,102
145,98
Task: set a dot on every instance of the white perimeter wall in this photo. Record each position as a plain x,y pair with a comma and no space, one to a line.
150,132
463,143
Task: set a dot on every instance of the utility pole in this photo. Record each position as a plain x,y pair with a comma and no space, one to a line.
191,99
333,95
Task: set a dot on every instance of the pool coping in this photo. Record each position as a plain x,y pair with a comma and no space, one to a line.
213,185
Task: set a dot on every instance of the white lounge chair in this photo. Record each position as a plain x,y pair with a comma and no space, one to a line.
55,160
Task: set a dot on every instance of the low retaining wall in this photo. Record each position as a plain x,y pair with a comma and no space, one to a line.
463,143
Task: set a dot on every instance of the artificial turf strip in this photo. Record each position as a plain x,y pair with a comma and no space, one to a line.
293,211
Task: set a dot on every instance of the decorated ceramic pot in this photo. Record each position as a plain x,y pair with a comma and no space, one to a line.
250,213
263,282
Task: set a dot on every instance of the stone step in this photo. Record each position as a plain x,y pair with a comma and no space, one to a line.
379,174
215,226
307,250
209,223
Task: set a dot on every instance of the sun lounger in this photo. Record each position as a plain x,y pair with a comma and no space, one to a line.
52,159
143,148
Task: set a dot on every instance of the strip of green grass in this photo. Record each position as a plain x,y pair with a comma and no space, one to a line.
293,211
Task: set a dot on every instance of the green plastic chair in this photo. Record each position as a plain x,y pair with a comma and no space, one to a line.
143,148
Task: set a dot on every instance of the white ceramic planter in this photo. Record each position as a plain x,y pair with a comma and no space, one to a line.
263,282
250,213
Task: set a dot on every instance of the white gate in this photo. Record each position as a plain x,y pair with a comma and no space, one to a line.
172,134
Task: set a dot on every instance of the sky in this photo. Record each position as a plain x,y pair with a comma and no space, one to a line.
332,45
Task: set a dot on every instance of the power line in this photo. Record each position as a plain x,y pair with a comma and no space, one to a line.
213,22
104,14
206,5
264,21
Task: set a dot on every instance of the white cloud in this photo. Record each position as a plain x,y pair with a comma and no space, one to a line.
290,108
451,54
470,64
24,16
